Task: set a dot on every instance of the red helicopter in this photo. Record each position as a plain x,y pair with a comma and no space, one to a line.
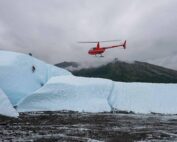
99,50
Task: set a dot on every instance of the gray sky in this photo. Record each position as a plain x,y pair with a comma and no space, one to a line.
50,29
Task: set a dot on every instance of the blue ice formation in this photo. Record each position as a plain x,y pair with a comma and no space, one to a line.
18,80
33,85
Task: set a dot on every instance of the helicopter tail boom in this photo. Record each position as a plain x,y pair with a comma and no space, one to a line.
124,45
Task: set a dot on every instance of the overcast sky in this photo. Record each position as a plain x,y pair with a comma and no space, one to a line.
50,29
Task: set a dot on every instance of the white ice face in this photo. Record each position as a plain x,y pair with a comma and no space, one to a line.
33,85
21,74
70,93
145,97
98,95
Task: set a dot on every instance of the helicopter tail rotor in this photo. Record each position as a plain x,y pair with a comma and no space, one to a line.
125,44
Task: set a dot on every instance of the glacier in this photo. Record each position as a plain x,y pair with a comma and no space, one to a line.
144,97
16,77
98,95
69,93
49,88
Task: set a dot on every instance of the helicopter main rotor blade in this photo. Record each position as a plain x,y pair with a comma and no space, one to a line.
110,40
88,41
97,41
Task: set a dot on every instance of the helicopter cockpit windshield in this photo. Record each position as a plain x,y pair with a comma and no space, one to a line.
93,48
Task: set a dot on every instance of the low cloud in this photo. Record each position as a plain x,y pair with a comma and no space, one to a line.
51,29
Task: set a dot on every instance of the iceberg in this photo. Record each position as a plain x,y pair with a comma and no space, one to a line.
33,85
6,107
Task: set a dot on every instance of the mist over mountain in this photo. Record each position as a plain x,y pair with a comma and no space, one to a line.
125,71
50,29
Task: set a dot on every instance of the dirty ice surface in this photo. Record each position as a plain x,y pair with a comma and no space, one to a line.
33,85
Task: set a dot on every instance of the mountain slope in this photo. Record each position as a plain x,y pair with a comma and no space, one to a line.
67,64
71,66
131,72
